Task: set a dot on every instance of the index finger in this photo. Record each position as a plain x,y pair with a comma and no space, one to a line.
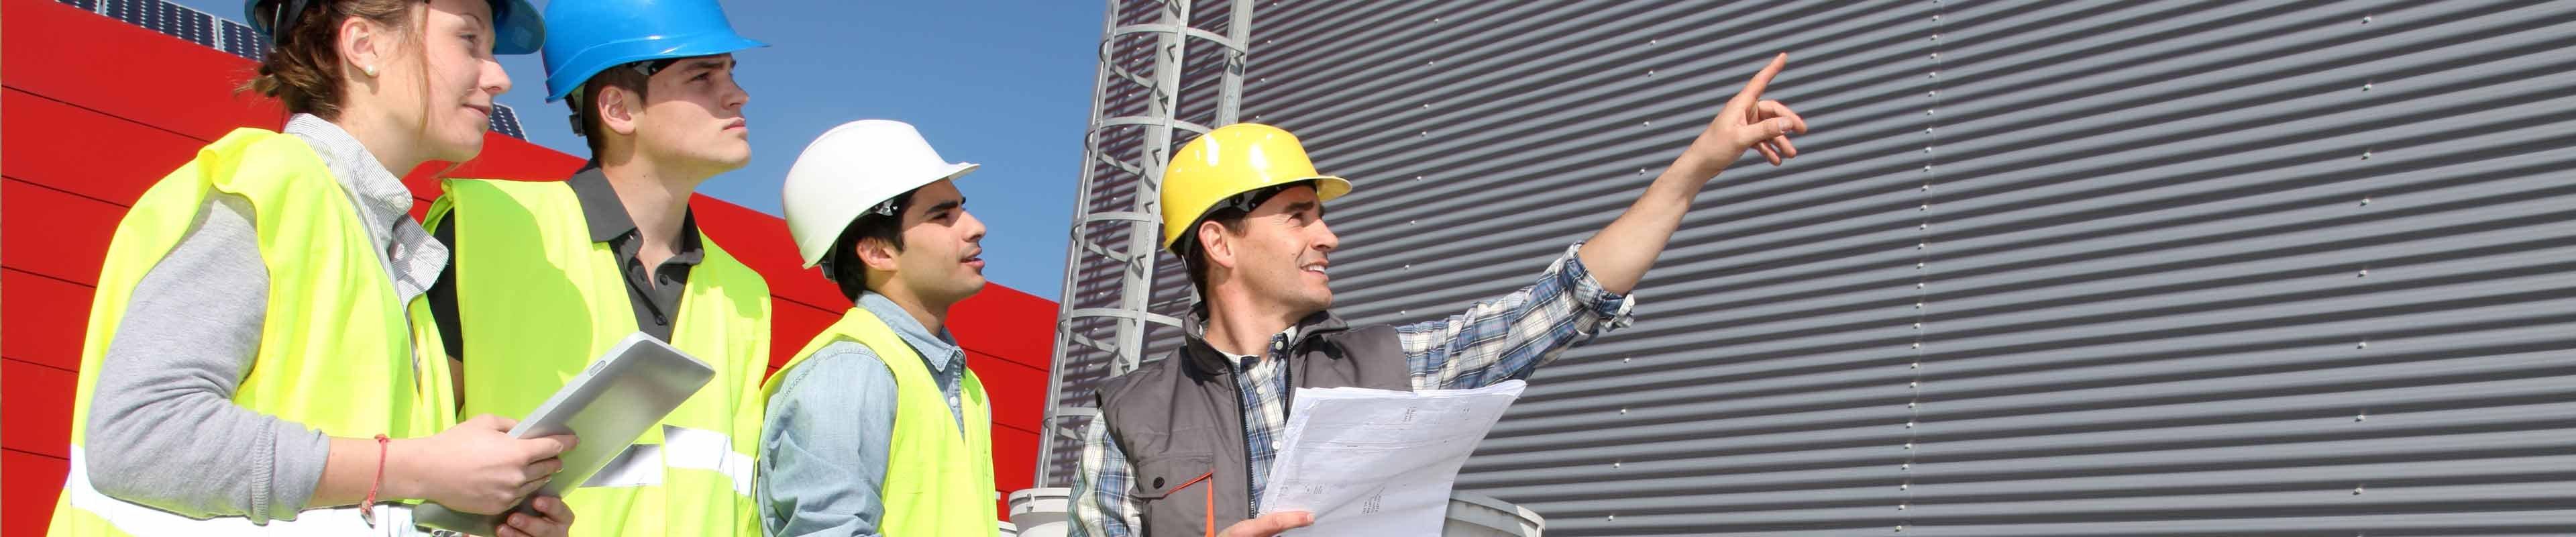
1284,521
1753,90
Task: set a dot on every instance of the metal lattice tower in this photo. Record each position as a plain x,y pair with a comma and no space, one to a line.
1122,295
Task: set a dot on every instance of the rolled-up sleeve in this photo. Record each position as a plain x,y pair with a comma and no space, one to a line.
825,445
1510,336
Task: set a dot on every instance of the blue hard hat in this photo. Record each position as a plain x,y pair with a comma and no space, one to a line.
593,35
516,26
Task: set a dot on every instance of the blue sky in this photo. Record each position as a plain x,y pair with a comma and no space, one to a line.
1003,84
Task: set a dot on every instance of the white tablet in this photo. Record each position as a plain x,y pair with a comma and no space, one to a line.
623,394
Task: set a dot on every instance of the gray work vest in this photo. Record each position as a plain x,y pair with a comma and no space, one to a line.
1180,421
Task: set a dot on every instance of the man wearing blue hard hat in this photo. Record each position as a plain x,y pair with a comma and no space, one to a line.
547,275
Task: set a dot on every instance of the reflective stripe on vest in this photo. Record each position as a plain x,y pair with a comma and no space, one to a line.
937,481
538,301
337,352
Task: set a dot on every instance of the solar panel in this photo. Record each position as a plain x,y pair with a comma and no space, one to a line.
84,5
131,11
506,122
242,41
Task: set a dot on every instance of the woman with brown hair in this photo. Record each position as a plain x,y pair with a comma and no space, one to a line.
258,358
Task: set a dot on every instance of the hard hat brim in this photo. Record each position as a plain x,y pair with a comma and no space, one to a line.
815,253
1327,187
682,47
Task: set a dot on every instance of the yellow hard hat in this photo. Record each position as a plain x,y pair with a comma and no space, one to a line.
1232,160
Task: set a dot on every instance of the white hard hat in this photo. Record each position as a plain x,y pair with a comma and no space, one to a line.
851,170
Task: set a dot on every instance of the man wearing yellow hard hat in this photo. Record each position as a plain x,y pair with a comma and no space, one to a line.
1182,445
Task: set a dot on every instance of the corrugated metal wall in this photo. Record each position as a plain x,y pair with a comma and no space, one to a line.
2045,268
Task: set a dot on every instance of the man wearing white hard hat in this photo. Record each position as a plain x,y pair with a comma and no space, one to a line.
877,427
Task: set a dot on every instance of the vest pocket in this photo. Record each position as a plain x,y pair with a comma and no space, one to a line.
1176,491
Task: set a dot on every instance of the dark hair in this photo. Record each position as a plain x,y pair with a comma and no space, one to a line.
847,270
303,70
585,104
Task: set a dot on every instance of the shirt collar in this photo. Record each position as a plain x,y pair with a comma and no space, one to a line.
1208,358
383,197
606,215
939,349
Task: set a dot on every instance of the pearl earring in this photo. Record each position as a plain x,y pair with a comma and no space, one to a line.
370,70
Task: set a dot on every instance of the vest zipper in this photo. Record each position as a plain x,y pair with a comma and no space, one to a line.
1243,418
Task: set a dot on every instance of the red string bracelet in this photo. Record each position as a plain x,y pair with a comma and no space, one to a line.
367,510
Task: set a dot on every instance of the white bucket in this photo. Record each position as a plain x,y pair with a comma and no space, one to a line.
1475,515
1041,512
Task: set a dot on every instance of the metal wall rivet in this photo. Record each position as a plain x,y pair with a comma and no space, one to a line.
1935,74
1906,466
1927,149
1648,123
2356,491
1435,19
2364,272
2365,416
1922,245
1614,464
2365,154
2362,345
1916,365
1623,410
1650,72
1912,404
1936,37
1918,305
2365,19
2365,86
1909,425
1928,111
1936,55
2365,200
1900,507
1914,383
1624,359
1412,222
1654,41
1917,345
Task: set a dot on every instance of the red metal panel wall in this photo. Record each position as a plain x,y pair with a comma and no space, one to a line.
83,139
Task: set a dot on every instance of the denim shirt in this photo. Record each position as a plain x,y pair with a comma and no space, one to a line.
825,439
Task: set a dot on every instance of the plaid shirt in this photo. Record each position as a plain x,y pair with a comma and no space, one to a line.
1495,340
